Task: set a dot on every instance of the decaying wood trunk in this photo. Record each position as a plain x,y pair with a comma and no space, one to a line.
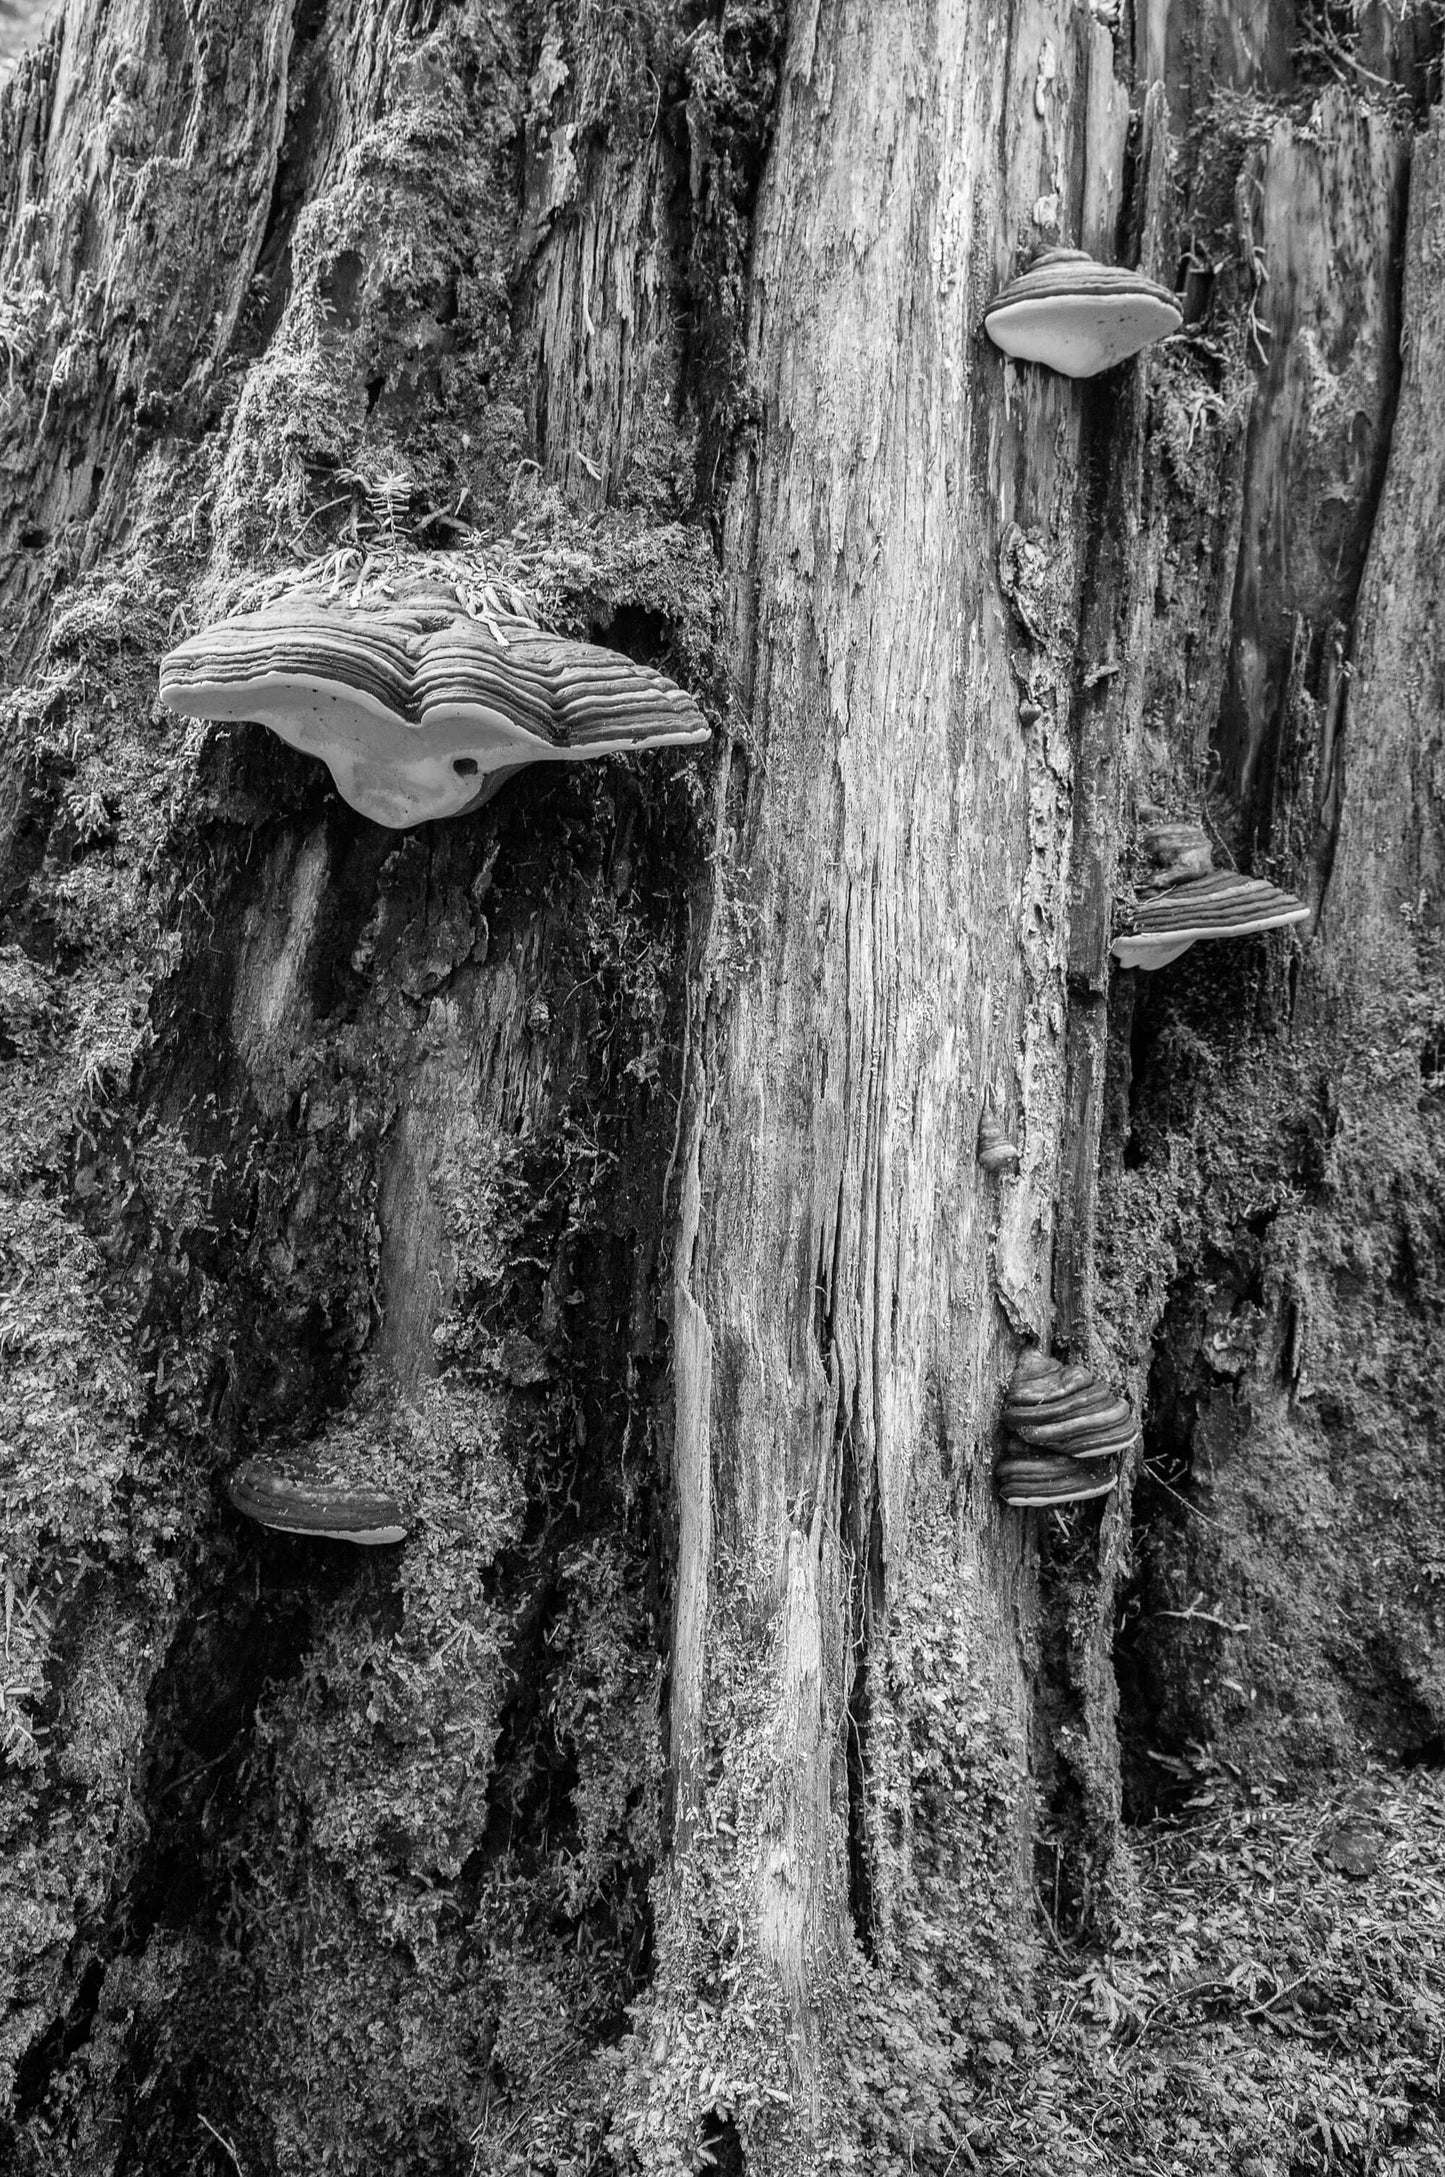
709,1773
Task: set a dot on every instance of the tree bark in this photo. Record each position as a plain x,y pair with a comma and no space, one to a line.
713,1769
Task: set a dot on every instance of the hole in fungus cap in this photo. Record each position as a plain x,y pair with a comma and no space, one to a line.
1079,317
419,707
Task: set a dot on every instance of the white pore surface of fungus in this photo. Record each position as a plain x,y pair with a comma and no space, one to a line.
417,707
366,1537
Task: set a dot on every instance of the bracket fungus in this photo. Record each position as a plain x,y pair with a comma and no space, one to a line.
419,706
1176,852
996,1153
1042,1480
1067,1434
1223,904
1076,316
302,1495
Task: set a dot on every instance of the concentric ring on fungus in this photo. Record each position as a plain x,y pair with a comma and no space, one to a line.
1063,1424
301,1495
1076,316
996,1153
1223,904
418,707
1040,1480
1177,852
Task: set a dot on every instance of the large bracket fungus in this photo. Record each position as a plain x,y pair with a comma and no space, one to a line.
1192,900
419,706
304,1495
1077,316
1067,1433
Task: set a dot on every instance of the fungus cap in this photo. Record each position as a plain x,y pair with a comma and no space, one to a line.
1077,316
1035,1374
1039,1380
1103,1432
1222,905
1041,1481
304,1496
418,707
1067,1410
996,1153
1177,852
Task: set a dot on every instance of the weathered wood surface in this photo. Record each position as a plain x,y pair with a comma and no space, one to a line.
1387,856
1119,583
1320,1315
1324,209
1300,1120
369,1056
902,864
99,153
606,359
607,1162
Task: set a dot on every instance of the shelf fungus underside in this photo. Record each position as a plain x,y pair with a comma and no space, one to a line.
305,1497
1079,317
1221,905
417,708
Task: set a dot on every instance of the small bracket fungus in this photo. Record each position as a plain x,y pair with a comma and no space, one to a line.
303,1495
996,1153
418,706
1176,852
1223,904
1077,316
1067,1434
1044,1480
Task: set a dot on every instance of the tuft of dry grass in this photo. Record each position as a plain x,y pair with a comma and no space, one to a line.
1271,2014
